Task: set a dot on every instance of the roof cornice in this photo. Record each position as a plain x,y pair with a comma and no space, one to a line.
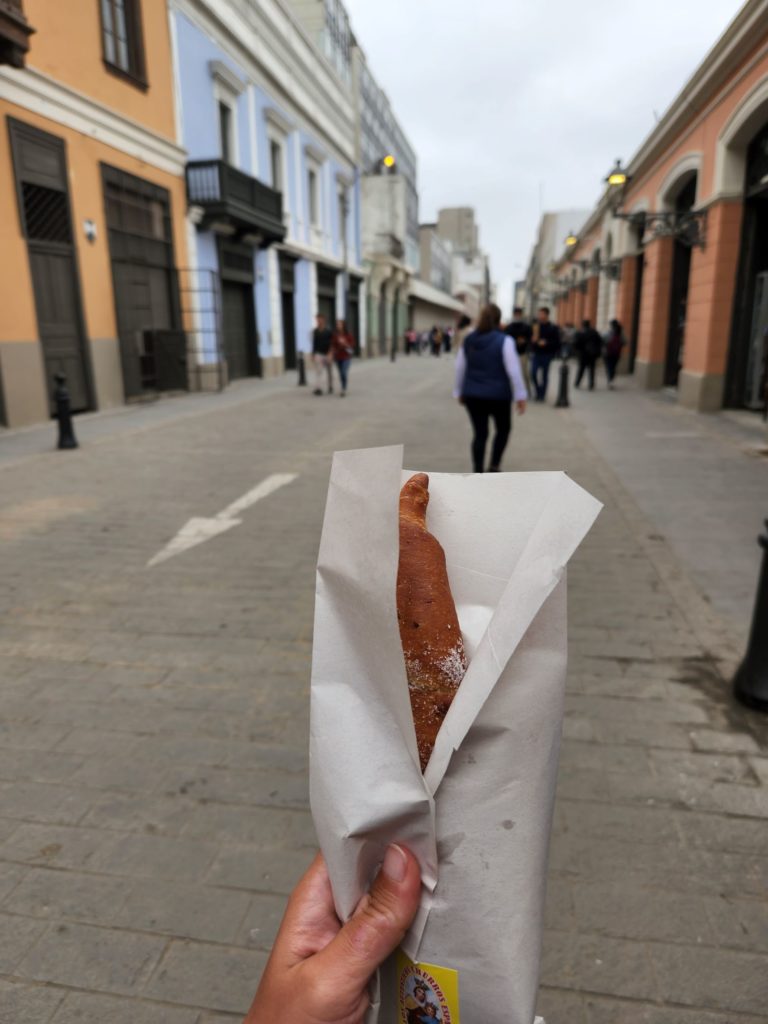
738,40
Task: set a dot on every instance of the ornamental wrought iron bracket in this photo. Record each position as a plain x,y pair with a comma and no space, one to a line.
690,228
611,269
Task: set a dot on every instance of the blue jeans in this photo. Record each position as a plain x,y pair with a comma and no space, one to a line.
343,367
540,373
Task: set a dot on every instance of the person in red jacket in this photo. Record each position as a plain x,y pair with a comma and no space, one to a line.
342,350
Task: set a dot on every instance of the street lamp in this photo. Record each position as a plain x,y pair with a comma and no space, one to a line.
689,227
571,240
618,177
389,161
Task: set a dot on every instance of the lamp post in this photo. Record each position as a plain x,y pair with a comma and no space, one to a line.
751,681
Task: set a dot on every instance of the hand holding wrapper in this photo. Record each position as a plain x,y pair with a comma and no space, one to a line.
486,798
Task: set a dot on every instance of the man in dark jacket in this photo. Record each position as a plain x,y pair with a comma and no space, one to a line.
588,345
545,345
522,332
321,355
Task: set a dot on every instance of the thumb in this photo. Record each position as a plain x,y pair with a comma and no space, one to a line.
379,923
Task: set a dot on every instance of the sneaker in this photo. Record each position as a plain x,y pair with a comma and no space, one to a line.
317,391
343,394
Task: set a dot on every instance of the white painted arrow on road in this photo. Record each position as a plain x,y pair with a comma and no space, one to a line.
198,531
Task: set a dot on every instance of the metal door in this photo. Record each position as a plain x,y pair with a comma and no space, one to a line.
681,273
238,329
757,355
43,196
287,288
638,298
138,215
142,304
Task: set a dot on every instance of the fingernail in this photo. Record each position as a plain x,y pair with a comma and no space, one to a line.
395,864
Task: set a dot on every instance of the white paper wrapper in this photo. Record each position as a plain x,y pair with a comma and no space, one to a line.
479,819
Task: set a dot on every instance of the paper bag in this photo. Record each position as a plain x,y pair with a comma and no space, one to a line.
479,818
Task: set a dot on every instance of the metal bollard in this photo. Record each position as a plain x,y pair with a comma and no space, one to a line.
750,684
302,371
562,394
67,437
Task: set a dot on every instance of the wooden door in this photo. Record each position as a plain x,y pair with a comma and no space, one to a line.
43,194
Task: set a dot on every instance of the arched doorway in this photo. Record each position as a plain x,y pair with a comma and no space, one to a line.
684,202
748,354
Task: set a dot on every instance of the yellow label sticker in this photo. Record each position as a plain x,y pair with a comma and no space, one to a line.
426,993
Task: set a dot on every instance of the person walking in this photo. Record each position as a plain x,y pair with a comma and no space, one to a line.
522,332
321,355
463,329
488,378
545,345
588,344
436,339
614,343
342,350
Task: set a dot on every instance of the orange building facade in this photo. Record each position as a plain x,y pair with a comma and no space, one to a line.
92,206
679,252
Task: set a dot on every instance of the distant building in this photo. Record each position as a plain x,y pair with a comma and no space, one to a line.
470,271
390,209
457,226
432,300
518,295
540,284
436,258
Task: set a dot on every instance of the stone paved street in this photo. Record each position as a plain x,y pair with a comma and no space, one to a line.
153,787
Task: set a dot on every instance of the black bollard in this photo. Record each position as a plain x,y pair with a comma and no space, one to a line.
562,394
302,371
750,684
67,437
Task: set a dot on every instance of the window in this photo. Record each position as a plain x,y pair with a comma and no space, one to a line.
314,199
225,132
343,217
276,164
122,43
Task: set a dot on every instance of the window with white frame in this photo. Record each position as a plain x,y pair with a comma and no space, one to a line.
226,132
279,131
227,88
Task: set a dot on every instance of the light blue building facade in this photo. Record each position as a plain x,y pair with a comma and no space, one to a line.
274,193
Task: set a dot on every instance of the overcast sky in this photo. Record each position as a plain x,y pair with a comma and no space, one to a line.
509,100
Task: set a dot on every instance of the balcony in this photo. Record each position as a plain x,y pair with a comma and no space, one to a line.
386,244
234,203
14,33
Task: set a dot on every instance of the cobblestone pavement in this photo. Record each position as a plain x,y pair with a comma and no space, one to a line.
153,798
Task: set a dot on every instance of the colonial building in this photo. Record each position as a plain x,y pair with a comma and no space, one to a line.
92,206
677,247
266,115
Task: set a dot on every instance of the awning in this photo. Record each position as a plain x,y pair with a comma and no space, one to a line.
427,293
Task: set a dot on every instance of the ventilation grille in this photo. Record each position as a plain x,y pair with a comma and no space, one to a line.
236,261
45,213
